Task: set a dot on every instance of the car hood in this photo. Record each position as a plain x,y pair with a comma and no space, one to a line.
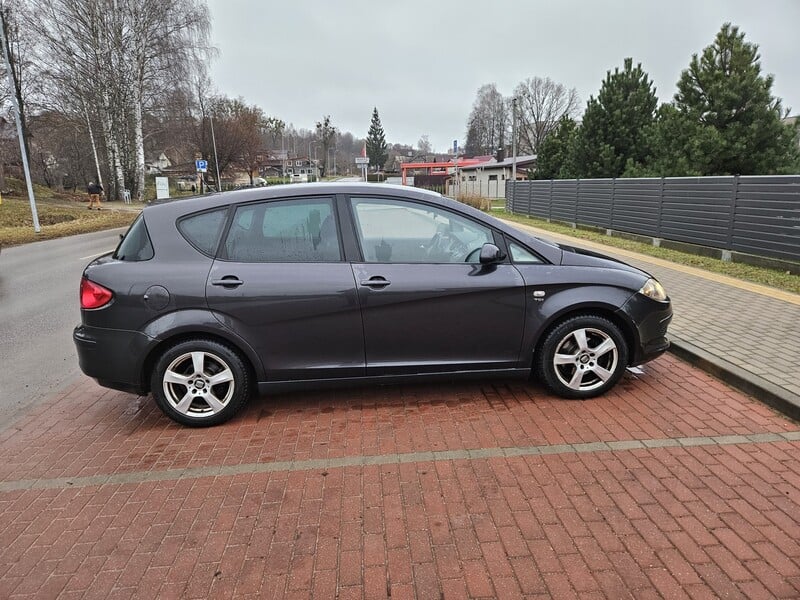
580,257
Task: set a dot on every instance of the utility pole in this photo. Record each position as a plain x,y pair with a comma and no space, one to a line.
455,167
26,168
216,160
514,140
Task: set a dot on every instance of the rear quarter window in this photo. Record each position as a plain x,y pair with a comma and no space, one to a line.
203,230
135,245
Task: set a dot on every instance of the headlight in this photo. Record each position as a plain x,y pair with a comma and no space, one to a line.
653,290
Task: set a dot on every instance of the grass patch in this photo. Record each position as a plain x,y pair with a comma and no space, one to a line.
60,214
764,276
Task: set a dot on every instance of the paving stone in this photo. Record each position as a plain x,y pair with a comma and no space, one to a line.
672,484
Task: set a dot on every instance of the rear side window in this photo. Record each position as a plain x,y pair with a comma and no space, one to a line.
202,230
135,245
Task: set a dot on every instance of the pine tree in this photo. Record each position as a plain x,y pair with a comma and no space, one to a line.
612,132
376,142
556,158
732,121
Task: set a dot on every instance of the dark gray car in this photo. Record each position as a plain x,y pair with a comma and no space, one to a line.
208,300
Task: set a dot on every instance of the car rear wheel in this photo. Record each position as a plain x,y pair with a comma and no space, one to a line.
200,383
582,357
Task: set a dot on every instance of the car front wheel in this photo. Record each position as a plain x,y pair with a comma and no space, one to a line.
582,357
200,383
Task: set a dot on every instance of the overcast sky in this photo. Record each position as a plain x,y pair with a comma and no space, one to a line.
421,62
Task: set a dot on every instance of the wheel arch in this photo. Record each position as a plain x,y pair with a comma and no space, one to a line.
600,309
188,330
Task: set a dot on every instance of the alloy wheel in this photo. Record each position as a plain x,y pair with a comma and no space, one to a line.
585,359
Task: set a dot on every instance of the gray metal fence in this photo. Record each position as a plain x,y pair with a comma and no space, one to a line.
753,214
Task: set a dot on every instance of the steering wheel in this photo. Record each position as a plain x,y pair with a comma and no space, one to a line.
434,244
446,245
470,255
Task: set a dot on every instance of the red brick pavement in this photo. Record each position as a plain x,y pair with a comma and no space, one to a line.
712,520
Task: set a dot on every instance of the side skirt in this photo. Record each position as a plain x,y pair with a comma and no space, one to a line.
266,387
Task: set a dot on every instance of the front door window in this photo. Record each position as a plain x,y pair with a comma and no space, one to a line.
392,231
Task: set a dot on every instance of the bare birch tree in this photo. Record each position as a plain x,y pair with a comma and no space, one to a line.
116,56
488,123
541,103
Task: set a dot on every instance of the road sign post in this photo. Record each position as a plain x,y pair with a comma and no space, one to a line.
363,162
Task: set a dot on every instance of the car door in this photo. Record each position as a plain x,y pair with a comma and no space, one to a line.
281,284
428,304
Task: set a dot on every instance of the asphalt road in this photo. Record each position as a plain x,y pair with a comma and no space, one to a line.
38,310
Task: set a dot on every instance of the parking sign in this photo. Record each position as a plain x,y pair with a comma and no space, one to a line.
202,165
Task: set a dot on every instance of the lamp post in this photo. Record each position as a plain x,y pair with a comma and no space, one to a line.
23,153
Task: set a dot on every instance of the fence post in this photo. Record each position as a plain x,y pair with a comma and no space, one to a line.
530,198
660,208
613,194
732,215
577,198
550,203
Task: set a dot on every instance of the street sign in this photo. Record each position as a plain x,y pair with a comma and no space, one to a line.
202,165
162,187
362,160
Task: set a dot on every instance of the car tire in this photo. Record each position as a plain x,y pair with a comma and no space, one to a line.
582,357
200,382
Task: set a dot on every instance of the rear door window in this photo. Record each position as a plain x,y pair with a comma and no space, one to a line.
284,231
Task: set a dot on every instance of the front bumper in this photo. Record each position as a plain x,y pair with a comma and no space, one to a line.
651,320
113,357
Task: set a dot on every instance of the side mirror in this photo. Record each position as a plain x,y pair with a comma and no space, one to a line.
491,254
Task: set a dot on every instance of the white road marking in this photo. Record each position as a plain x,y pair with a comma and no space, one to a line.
93,255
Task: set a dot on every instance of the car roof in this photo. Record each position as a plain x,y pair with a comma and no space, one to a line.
173,209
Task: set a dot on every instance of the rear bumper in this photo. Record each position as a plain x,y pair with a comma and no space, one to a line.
651,320
112,356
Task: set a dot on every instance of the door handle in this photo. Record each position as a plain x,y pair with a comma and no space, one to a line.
229,281
377,282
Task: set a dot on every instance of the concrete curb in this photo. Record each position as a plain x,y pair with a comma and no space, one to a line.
770,394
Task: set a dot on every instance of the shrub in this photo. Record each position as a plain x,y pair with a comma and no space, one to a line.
476,201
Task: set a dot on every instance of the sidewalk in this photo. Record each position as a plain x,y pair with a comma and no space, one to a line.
744,333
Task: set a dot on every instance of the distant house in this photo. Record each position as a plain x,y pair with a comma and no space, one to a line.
157,166
488,179
302,165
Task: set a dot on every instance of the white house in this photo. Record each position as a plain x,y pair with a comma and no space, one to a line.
488,179
155,167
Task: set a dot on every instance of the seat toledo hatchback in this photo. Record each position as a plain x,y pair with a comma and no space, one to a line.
209,300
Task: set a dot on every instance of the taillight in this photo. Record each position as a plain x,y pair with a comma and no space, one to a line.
94,295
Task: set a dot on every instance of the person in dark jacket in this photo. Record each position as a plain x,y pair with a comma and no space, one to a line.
94,189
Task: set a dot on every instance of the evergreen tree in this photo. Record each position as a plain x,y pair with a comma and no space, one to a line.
675,143
556,158
731,122
376,142
612,132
